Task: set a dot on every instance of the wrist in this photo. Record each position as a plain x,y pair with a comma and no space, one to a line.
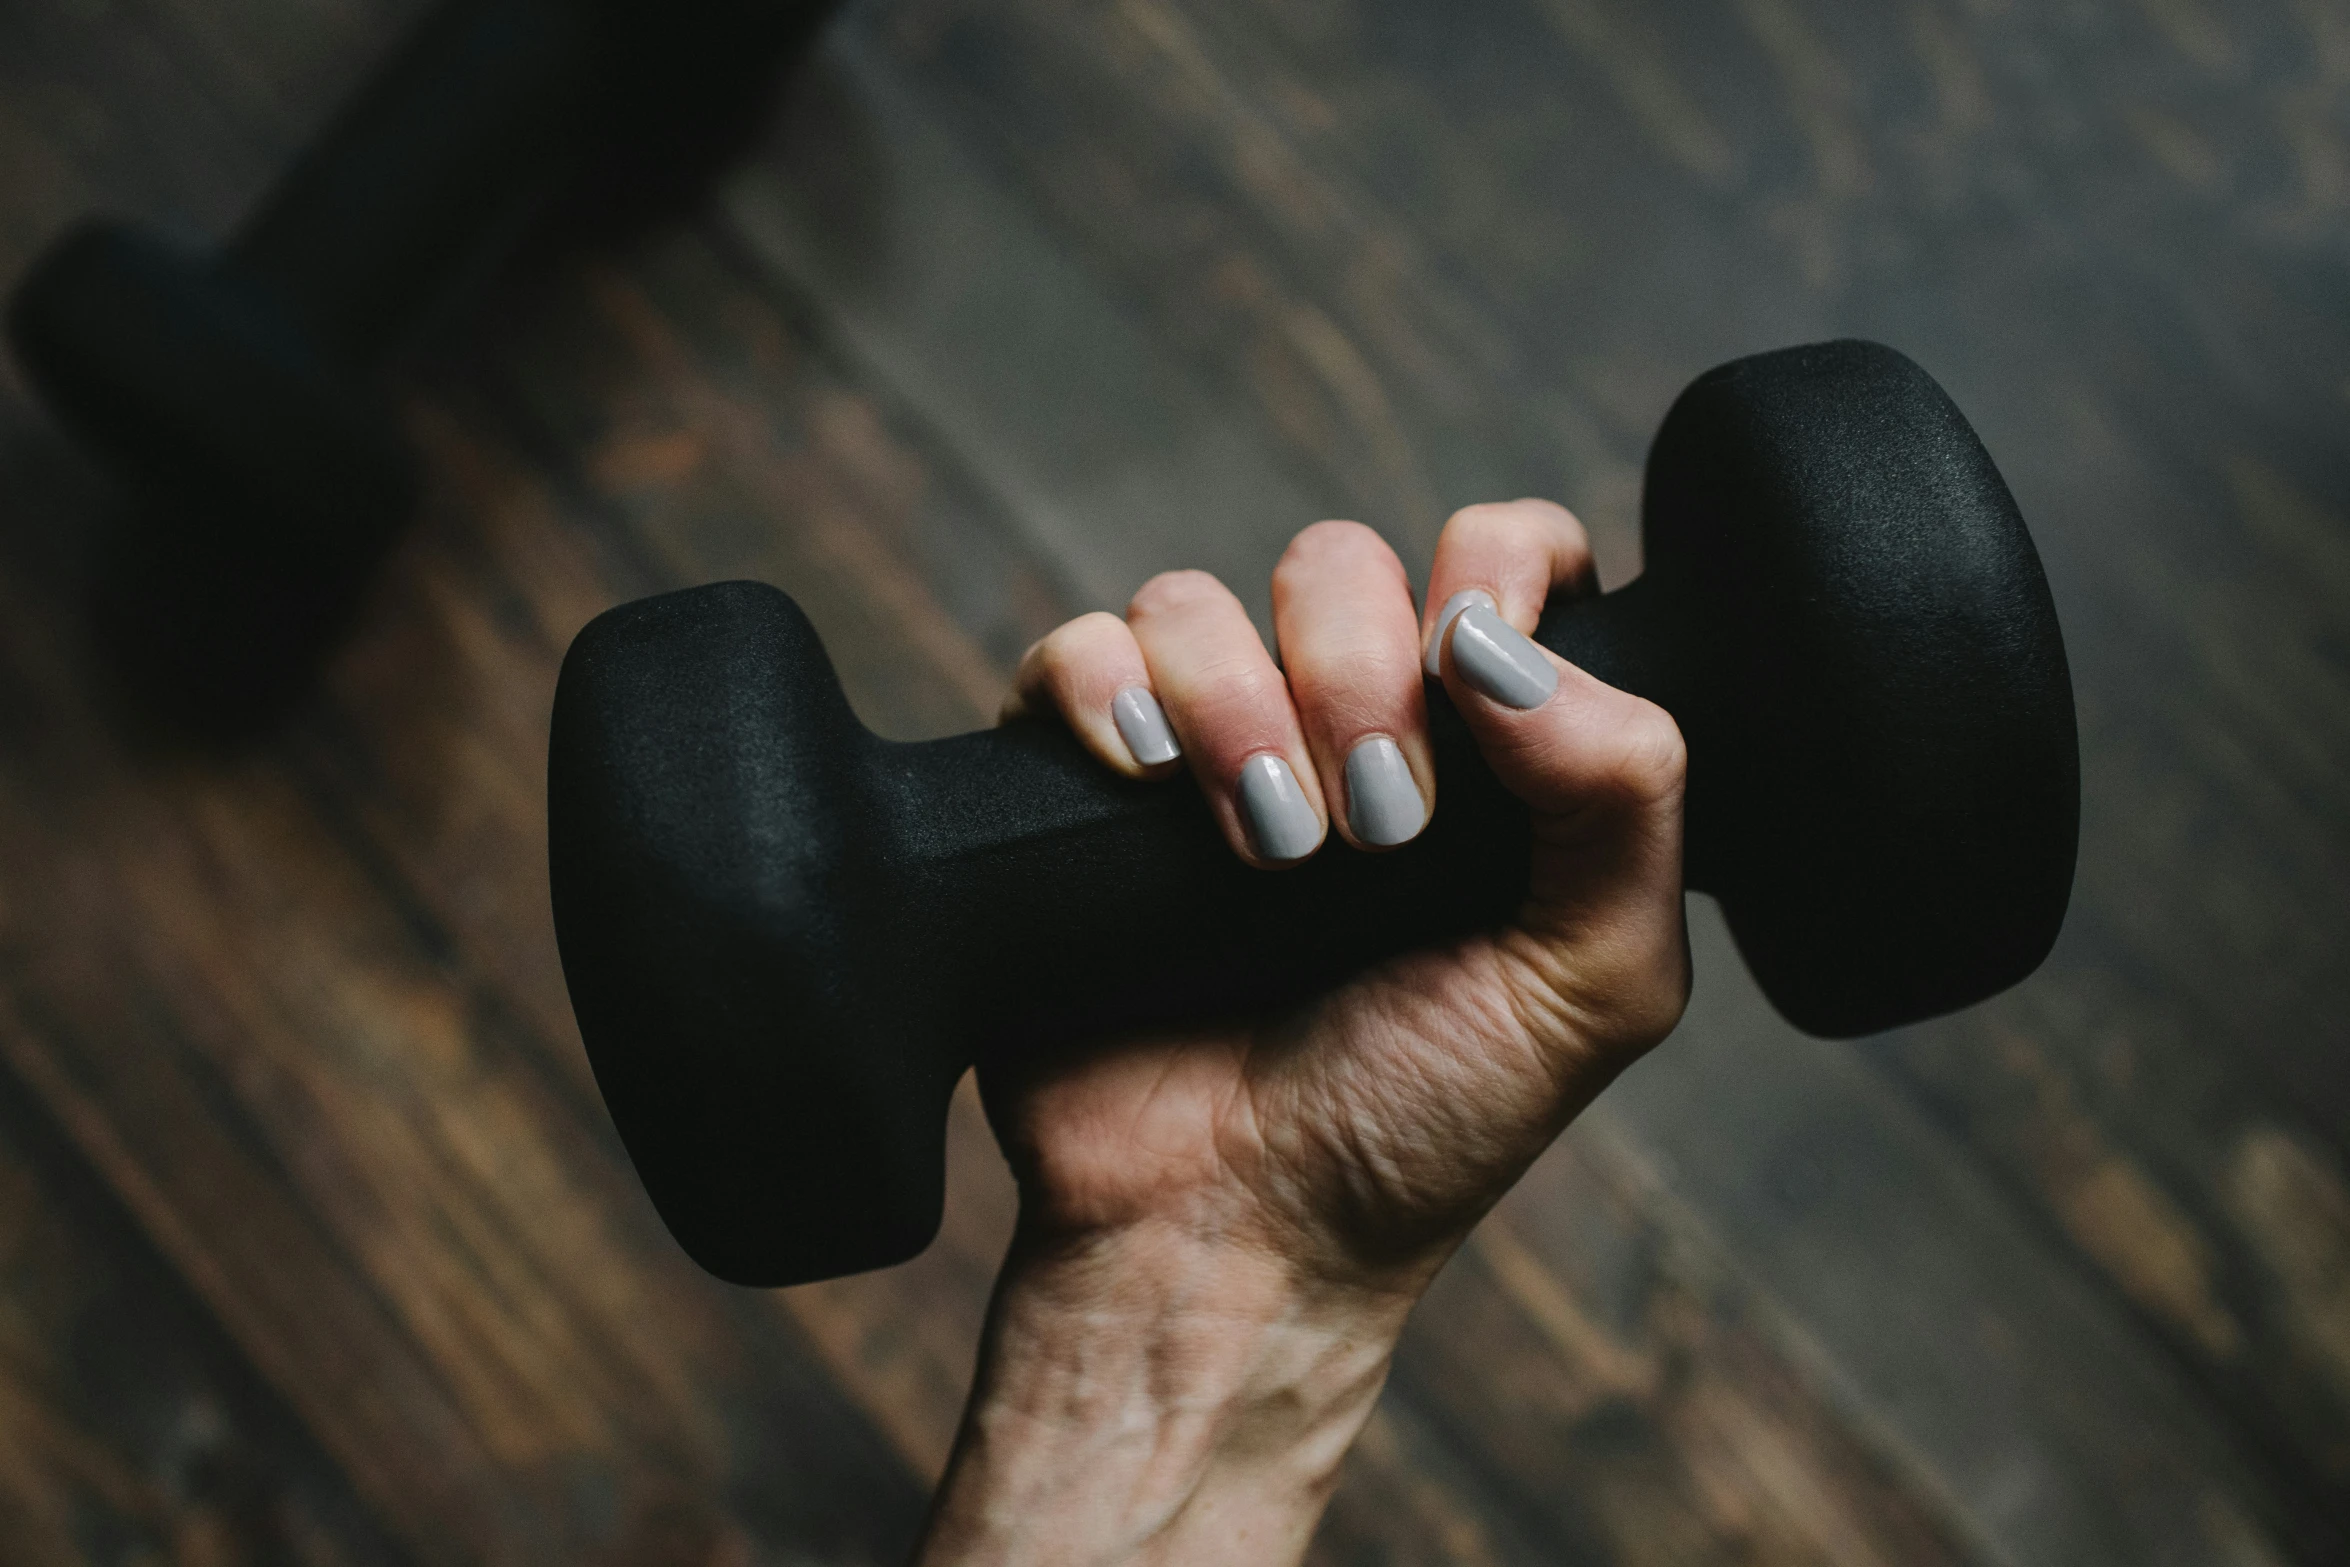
1149,1395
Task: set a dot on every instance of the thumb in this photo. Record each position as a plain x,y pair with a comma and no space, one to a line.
1603,773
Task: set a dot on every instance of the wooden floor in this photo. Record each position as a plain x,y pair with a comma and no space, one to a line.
315,1244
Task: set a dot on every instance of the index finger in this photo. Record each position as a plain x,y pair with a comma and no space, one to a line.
1509,555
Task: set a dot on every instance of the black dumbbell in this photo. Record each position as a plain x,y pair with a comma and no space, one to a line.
236,392
786,939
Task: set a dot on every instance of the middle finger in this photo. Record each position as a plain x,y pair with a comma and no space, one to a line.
1350,641
1231,709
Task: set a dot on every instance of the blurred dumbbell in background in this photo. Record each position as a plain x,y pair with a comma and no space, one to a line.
243,396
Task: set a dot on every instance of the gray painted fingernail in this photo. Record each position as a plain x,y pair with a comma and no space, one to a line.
1281,825
1142,724
1383,803
1496,658
1434,660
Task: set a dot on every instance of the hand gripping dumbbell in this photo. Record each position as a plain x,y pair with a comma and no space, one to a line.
235,391
786,939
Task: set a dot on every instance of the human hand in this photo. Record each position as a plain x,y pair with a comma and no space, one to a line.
1222,1231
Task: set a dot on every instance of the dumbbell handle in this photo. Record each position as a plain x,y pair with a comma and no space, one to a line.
422,173
1143,913
953,875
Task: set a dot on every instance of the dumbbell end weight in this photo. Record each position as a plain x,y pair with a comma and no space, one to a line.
1885,775
786,939
193,385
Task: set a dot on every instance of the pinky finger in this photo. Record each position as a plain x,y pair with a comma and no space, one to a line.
1090,674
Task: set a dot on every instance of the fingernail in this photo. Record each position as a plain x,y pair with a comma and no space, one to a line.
1142,724
1383,803
1496,658
1281,825
1434,661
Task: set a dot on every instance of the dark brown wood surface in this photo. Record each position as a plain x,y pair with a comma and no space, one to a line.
315,1244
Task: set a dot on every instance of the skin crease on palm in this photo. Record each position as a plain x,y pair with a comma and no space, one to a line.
1221,1234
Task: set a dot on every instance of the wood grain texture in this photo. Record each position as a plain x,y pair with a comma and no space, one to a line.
1012,305
130,1429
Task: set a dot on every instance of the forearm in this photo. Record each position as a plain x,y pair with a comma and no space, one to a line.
1153,1397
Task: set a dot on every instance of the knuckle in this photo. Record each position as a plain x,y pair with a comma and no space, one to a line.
1530,525
1649,760
1483,519
1075,655
1237,685
1571,540
1176,590
1087,639
1058,653
1549,514
1333,540
1369,670
1483,514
